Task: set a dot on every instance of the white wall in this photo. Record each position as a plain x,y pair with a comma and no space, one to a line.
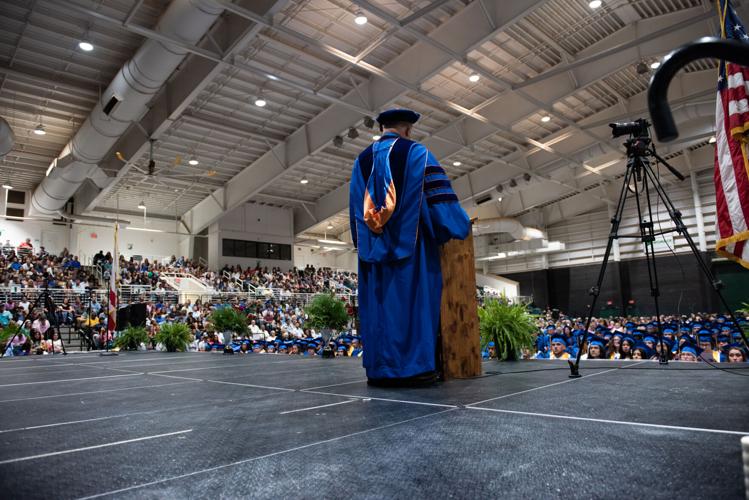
502,285
585,236
251,222
317,257
87,240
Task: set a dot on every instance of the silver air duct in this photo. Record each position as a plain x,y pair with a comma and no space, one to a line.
123,102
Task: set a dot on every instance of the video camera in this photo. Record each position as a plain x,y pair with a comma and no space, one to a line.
637,128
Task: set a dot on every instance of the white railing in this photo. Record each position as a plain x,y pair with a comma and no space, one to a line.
202,262
128,294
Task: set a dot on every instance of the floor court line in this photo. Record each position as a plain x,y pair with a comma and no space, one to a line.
374,398
605,421
85,448
332,385
250,385
261,457
552,385
318,407
236,401
89,392
57,381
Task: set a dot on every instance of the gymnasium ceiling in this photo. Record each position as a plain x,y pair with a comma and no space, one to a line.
515,95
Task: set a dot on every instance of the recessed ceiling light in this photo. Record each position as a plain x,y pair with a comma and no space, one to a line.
193,162
360,19
304,180
474,78
376,137
712,140
7,186
594,4
655,65
546,118
456,164
260,103
499,199
39,130
86,46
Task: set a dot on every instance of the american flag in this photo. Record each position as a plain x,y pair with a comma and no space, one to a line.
112,310
731,162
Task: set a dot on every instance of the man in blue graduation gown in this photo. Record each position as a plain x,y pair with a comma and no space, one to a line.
402,207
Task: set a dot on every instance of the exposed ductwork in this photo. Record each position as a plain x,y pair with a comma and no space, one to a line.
123,102
7,138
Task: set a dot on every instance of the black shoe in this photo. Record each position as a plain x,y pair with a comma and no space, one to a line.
426,379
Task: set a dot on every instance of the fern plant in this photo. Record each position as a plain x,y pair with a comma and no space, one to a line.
509,326
9,332
326,311
744,309
174,336
228,319
131,338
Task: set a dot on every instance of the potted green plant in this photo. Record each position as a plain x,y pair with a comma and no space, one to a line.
174,336
228,320
326,312
131,338
509,326
7,333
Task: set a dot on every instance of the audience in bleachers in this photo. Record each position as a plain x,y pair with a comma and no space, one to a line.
277,320
694,337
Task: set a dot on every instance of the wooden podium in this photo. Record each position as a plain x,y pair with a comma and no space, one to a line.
459,321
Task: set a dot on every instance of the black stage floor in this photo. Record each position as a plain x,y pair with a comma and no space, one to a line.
200,425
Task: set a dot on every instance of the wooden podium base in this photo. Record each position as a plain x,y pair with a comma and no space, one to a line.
459,321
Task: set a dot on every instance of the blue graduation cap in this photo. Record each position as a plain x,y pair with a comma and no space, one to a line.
342,348
558,339
646,351
597,341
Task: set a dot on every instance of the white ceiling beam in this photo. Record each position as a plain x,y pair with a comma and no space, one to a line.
509,109
465,30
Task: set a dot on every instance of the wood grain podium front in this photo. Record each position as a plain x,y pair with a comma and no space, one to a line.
459,320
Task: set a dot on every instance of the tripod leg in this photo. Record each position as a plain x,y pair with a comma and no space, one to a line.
681,228
596,290
646,228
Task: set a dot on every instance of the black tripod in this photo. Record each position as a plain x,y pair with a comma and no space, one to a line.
640,174
54,326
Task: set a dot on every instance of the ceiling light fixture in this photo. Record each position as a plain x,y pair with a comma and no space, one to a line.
457,164
546,118
332,242
193,162
85,46
376,137
304,180
352,133
142,205
338,141
39,130
330,226
655,65
712,140
7,186
360,19
474,78
259,102
594,4
131,228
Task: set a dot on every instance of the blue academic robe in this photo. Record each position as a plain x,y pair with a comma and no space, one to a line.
400,280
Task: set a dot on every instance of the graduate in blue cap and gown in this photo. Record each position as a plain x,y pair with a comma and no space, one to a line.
402,207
